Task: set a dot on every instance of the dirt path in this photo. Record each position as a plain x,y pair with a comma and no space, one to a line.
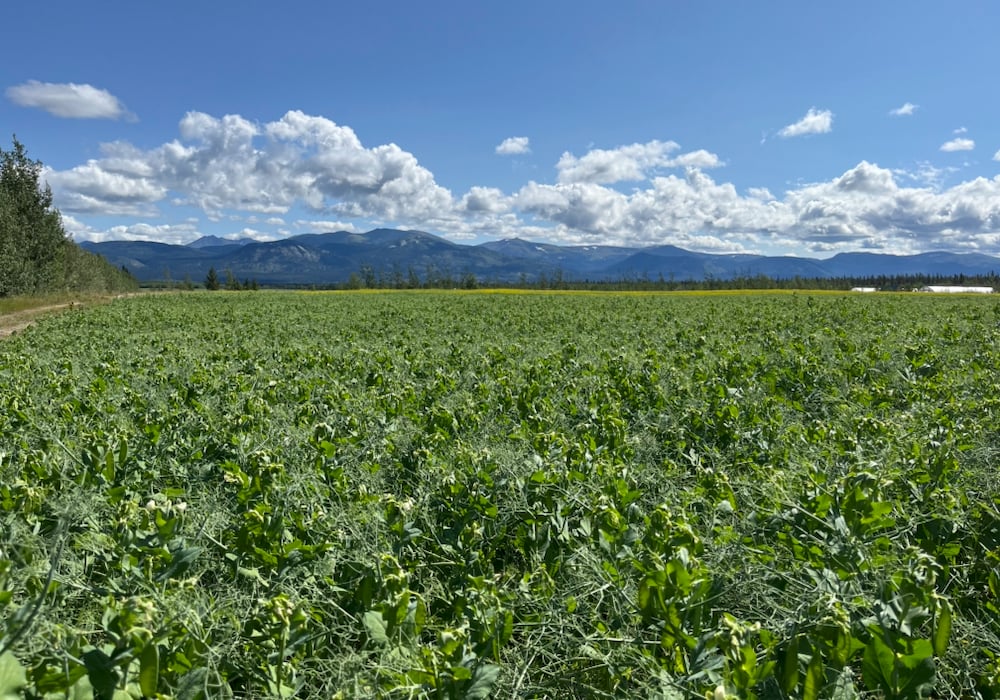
19,320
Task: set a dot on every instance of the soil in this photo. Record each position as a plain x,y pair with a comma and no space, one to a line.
19,320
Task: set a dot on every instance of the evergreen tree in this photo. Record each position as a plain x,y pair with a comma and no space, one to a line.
232,284
211,280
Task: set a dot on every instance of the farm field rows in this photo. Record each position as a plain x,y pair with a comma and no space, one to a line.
471,495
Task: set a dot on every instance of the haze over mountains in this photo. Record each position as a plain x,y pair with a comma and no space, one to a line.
331,259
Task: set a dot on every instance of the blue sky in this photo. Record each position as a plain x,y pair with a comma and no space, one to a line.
779,127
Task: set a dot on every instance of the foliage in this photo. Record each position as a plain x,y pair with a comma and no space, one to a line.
35,254
470,495
31,234
212,280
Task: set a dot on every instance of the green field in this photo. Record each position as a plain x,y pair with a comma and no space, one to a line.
471,495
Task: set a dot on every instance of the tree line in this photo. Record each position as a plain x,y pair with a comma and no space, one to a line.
367,277
37,256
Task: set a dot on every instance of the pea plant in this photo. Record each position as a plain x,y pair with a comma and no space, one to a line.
481,494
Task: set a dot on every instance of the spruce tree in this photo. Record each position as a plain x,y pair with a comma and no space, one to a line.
211,280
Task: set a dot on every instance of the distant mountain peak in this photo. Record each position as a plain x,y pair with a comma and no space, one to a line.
211,241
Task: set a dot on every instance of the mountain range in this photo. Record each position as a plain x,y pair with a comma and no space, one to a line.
389,254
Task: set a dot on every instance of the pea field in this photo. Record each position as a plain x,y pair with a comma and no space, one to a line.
511,495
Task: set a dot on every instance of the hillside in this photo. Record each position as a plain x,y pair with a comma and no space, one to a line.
389,254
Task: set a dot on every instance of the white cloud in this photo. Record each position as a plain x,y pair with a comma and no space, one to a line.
629,163
960,130
252,234
179,233
905,110
697,159
515,145
324,226
958,145
69,100
582,206
996,156
865,208
625,163
926,173
488,200
231,163
318,175
815,122
78,230
93,189
615,165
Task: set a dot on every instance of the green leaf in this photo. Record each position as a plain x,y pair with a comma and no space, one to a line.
813,683
102,673
179,564
149,669
508,627
81,690
375,625
920,679
483,679
12,678
942,629
877,665
192,684
790,667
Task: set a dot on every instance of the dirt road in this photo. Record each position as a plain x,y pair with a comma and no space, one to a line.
19,320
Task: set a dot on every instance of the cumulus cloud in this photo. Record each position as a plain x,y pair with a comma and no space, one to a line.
958,145
815,122
761,193
69,100
515,145
178,233
484,200
905,110
318,175
996,156
629,163
625,163
697,159
324,226
864,208
253,234
93,189
231,163
926,173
